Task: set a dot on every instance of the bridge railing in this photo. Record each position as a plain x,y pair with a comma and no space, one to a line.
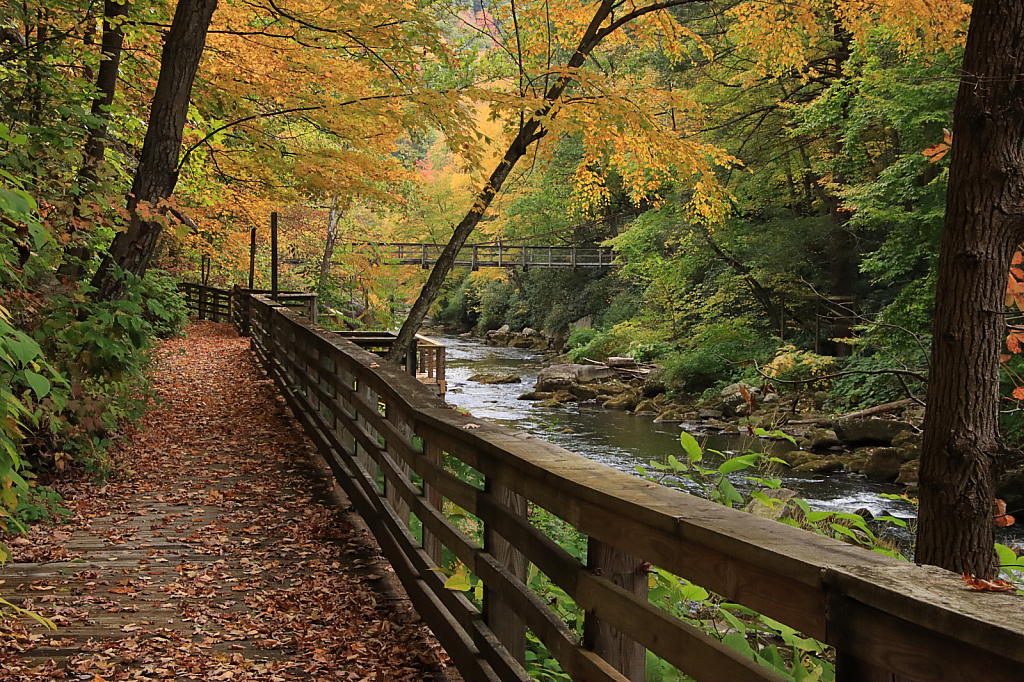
502,255
205,302
392,446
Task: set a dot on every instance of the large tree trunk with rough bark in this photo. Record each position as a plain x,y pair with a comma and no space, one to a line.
158,165
963,449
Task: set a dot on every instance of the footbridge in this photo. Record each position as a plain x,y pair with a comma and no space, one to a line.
406,460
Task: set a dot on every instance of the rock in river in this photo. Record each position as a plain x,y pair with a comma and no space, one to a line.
486,378
558,377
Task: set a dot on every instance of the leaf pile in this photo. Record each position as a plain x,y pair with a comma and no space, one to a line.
215,553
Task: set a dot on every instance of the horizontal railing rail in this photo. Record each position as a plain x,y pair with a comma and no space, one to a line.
391,445
205,302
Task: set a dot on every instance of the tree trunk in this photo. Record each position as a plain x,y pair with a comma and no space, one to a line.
529,132
95,145
527,135
158,165
332,237
962,450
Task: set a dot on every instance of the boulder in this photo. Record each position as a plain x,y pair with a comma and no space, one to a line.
654,384
823,465
819,439
521,341
781,507
624,401
908,438
537,395
871,430
556,377
647,407
855,465
583,392
883,465
671,415
710,414
733,402
487,378
908,473
564,396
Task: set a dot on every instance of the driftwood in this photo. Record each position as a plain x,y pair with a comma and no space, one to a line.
627,368
869,412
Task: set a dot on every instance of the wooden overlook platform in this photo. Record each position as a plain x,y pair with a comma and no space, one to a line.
393,447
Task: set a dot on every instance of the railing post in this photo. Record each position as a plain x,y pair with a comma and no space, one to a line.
252,257
273,256
431,544
202,302
475,265
629,573
508,627
524,257
423,258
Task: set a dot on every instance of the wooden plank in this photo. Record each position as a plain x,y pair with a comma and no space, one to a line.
911,651
499,615
684,646
459,644
433,497
629,573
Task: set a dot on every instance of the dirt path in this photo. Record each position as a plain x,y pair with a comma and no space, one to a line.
217,552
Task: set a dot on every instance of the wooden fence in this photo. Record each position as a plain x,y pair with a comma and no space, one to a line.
207,303
386,438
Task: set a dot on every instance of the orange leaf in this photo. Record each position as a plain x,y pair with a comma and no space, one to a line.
1002,519
983,585
936,152
1018,393
1018,258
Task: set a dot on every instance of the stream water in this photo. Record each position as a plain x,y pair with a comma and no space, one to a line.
623,440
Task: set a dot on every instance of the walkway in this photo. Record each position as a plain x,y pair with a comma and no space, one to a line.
217,552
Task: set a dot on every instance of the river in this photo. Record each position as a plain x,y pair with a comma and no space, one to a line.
623,440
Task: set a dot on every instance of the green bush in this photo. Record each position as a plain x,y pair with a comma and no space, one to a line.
580,337
717,352
164,307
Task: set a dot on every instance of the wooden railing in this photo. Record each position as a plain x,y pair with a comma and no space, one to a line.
502,256
206,303
887,619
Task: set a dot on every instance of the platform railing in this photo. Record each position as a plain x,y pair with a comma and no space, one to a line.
392,446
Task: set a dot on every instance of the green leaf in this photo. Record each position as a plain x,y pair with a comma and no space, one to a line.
690,446
24,349
39,383
737,463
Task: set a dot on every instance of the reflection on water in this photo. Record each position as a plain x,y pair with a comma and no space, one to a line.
623,440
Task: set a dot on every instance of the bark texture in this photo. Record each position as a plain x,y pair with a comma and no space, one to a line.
158,164
984,223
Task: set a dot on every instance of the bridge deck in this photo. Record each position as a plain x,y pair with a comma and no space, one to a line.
215,553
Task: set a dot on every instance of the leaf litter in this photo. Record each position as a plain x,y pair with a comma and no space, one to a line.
214,552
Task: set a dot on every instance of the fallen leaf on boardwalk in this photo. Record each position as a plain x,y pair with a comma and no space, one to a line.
218,487
983,585
471,426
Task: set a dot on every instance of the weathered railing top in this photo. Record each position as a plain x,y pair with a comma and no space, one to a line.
370,420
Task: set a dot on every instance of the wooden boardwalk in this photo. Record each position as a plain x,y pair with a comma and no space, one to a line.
218,552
